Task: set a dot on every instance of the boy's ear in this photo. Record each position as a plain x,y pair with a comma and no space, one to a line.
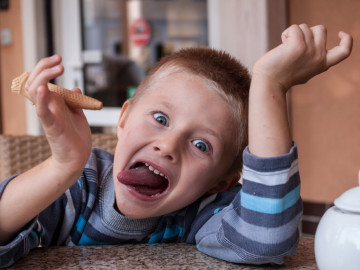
123,115
228,183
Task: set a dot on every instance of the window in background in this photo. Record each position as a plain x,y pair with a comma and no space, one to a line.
121,41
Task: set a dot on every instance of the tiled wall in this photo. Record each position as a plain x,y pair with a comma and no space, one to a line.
311,217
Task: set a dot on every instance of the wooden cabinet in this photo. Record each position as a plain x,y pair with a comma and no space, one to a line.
325,112
13,111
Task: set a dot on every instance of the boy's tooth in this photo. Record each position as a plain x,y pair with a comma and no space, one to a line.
151,168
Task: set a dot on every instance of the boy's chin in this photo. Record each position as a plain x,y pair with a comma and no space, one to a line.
132,213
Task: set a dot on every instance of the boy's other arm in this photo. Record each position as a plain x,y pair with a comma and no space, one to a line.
69,137
301,56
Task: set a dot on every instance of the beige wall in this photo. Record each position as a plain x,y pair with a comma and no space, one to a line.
326,111
246,28
11,65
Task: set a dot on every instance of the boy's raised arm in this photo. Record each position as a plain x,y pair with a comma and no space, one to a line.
301,56
69,137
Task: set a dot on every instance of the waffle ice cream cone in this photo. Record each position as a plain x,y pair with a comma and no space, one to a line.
73,99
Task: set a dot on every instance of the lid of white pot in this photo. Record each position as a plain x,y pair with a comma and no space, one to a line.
350,200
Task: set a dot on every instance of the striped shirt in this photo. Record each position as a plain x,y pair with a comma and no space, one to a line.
254,223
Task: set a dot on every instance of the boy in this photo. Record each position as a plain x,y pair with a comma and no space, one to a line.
178,158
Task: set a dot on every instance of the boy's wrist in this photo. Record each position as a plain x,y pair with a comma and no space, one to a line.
269,83
69,172
268,124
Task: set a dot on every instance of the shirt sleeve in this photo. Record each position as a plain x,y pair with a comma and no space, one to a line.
21,244
60,222
261,224
48,228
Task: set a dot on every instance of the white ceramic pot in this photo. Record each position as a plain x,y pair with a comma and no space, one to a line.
337,238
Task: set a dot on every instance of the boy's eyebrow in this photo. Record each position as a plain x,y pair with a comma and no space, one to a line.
211,132
167,104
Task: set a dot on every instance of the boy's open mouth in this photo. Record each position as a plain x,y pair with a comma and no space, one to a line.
144,179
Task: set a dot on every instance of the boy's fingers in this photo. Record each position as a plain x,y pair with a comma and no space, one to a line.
284,35
47,69
44,63
42,78
320,36
45,75
294,31
79,111
42,109
307,33
77,90
340,52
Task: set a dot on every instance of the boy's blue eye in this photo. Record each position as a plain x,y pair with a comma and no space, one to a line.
201,145
161,118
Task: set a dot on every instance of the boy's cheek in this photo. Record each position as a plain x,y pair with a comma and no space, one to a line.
125,139
135,131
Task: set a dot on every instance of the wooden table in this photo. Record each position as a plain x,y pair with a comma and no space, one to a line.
156,256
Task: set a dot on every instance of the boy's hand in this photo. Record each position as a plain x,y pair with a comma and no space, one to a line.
301,56
66,129
69,137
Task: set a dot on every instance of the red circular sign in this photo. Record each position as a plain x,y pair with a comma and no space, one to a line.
140,32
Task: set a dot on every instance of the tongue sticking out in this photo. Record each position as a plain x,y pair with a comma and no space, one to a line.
143,180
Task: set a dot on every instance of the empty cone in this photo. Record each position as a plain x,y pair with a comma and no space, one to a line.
72,99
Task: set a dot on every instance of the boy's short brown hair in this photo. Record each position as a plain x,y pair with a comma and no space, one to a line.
222,72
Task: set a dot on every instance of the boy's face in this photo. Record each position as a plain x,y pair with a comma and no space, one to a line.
175,143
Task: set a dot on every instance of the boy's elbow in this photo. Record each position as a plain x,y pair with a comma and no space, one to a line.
216,245
244,257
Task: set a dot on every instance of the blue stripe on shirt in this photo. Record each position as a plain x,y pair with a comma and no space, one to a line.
36,237
167,233
80,224
270,220
85,240
268,205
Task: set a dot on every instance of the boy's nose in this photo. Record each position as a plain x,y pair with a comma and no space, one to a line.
168,147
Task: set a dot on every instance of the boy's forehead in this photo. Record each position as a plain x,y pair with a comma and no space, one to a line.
169,82
181,92
167,88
